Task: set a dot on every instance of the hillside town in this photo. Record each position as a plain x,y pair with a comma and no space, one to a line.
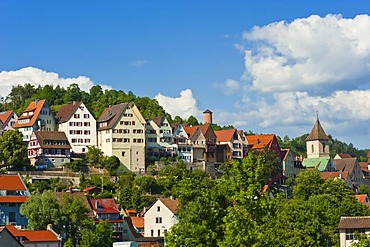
121,131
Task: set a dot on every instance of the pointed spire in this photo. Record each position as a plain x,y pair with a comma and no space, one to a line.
317,132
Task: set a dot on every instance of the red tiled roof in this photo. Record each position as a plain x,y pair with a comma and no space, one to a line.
33,235
225,135
4,116
138,222
333,175
364,166
190,130
66,112
171,204
11,182
90,188
35,107
361,198
260,141
13,199
204,128
344,155
105,205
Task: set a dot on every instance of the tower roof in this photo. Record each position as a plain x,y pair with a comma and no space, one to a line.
317,133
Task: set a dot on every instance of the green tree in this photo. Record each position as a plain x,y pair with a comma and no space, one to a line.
13,150
307,183
192,121
41,210
99,236
95,157
112,163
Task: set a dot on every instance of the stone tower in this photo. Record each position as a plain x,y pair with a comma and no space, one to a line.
317,142
207,116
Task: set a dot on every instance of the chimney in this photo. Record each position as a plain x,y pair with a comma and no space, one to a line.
207,116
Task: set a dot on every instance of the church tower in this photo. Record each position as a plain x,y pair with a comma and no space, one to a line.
317,142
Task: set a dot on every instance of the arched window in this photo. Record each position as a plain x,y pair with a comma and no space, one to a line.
323,147
312,148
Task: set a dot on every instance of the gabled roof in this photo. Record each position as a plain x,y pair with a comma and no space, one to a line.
190,130
285,153
260,141
225,135
171,204
104,205
35,107
361,198
138,222
4,116
112,114
346,164
66,112
15,241
33,235
318,163
204,128
11,182
364,166
158,120
334,175
317,133
354,222
43,136
344,155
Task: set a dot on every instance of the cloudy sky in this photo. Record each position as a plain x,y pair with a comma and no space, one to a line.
265,66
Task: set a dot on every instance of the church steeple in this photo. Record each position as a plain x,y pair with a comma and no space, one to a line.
317,142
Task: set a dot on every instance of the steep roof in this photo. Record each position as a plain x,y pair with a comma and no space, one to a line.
43,136
207,111
317,133
334,175
158,120
260,141
344,155
138,222
11,182
104,205
190,130
4,116
66,112
112,114
361,198
354,222
33,235
171,204
318,163
35,107
225,135
204,128
345,164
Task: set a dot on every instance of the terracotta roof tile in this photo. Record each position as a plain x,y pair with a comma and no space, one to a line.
138,222
344,155
4,116
361,198
11,182
33,235
260,141
333,175
190,130
66,112
317,133
225,135
355,222
13,199
171,204
35,107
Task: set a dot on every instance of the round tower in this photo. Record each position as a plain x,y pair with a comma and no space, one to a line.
207,116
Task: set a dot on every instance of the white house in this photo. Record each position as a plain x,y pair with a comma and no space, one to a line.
160,217
36,117
350,226
79,125
8,119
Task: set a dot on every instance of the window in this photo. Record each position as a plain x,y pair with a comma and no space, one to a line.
76,115
158,209
12,217
86,132
312,149
159,232
86,116
152,233
123,153
158,220
351,233
86,124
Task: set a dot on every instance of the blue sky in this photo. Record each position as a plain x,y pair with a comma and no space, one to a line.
265,66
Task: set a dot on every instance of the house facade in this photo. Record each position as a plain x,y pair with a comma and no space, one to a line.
7,120
350,226
352,166
234,142
121,132
182,143
36,117
289,163
197,141
13,193
160,217
159,138
79,125
48,148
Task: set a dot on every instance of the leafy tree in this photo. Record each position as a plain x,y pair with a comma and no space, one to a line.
76,165
41,210
13,150
99,236
192,121
112,163
95,157
307,183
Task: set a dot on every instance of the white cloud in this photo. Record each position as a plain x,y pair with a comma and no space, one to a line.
313,54
183,106
138,63
228,87
36,77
